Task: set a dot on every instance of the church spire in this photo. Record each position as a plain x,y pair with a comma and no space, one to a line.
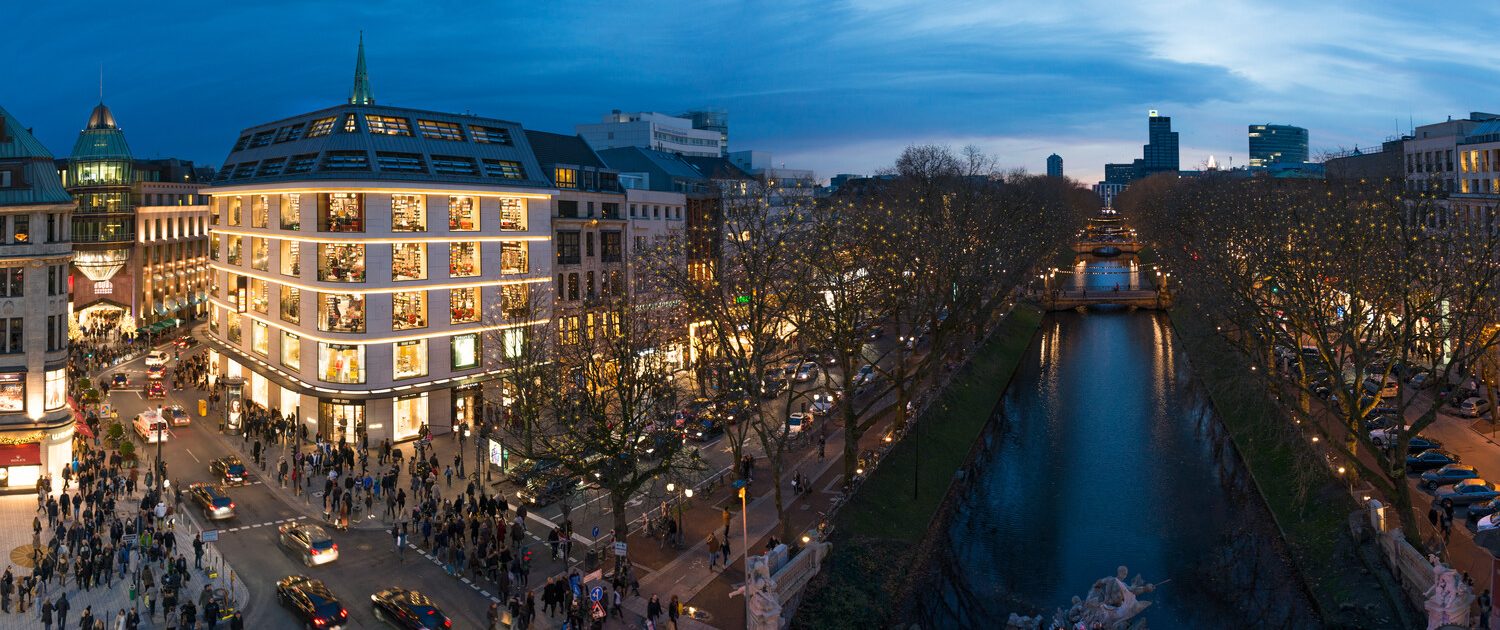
361,94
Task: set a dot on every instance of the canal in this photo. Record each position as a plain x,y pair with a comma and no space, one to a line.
1105,452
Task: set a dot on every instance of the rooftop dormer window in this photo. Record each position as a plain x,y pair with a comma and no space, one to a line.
439,130
321,127
387,125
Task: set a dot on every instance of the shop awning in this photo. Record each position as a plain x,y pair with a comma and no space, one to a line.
82,428
29,454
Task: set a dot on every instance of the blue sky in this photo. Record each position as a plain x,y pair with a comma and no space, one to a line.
832,86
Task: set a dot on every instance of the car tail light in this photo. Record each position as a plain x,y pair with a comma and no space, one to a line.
343,613
312,551
319,621
447,623
231,505
335,546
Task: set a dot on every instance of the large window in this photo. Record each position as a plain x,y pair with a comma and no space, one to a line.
339,262
260,254
410,358
512,214
12,281
215,209
214,242
57,389
233,323
466,351
341,212
408,310
236,250
388,125
260,296
341,363
408,213
439,130
291,351
260,338
260,211
512,258
565,177
515,300
463,260
291,304
611,247
409,261
463,305
463,214
321,127
515,342
409,415
291,211
568,250
234,210
12,392
341,312
291,258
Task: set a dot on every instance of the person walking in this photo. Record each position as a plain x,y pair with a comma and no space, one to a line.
724,547
727,518
653,610
674,610
713,550
1484,609
61,607
47,614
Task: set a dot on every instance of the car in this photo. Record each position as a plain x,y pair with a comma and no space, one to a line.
1385,421
156,357
544,491
156,389
1473,407
706,430
120,379
156,371
408,609
807,371
1487,523
661,444
1420,380
877,332
212,499
822,404
799,422
1382,386
865,375
185,341
311,602
1467,491
1418,444
771,387
176,415
151,427
1387,435
1430,459
1448,475
310,542
228,470
1483,508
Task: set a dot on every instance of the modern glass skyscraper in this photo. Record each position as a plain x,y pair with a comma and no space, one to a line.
1160,153
1277,143
1054,165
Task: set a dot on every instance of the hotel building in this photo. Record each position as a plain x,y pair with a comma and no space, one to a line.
358,253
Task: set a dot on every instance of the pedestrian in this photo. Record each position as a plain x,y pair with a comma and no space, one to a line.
674,610
724,546
47,614
197,551
822,444
727,518
1447,527
61,607
713,550
653,609
1484,609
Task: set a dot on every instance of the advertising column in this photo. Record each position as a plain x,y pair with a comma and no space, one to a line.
234,404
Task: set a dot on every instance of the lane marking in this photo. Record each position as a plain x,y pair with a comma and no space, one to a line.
195,457
276,522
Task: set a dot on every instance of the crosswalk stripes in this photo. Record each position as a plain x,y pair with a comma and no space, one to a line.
472,584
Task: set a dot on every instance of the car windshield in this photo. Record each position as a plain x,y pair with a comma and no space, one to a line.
221,501
322,545
236,469
428,616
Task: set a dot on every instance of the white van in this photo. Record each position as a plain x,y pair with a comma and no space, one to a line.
155,358
147,424
1386,387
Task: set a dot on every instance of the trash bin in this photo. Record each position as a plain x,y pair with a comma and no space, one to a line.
591,560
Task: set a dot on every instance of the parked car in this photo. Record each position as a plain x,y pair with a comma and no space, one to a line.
311,602
1466,492
1448,475
228,470
1420,380
156,357
212,499
822,404
877,332
1387,435
177,416
1382,386
1382,422
807,371
864,376
1418,444
1473,407
706,430
799,422
771,387
1487,523
156,389
408,610
1430,459
1483,508
311,544
544,491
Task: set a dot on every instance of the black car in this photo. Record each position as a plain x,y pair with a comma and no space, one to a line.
525,471
120,379
1482,509
771,387
311,602
1417,444
212,499
546,490
408,609
1430,459
705,430
228,470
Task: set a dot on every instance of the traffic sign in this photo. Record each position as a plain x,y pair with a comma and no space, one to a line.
596,593
596,531
210,535
620,548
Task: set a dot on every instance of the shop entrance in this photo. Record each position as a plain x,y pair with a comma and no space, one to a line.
341,420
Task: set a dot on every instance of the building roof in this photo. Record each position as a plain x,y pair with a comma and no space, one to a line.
667,172
716,167
555,148
101,139
102,118
382,143
40,182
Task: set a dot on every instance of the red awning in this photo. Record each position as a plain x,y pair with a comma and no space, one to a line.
82,428
21,454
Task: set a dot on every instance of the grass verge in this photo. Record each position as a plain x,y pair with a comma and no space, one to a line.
876,533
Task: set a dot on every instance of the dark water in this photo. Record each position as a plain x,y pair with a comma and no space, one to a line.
1106,454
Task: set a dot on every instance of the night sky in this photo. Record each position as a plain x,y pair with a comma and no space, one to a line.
832,86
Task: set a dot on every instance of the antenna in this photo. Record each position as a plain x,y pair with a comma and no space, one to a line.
101,82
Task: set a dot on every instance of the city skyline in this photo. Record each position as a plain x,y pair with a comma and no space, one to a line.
891,74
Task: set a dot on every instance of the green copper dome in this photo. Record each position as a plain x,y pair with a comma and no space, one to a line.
102,139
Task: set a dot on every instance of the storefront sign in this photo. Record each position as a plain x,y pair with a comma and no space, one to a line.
29,454
104,288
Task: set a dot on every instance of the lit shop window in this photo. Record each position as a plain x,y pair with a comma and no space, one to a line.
236,251
463,260
515,342
216,209
465,351
408,213
463,214
291,305
512,214
235,334
515,301
235,204
214,242
291,211
260,338
57,389
291,351
512,258
409,415
410,358
260,254
409,261
260,296
260,211
463,305
408,310
341,212
338,262
341,363
291,258
341,312
213,319
12,392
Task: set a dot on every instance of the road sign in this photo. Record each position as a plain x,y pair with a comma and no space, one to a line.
620,548
596,593
128,539
596,531
210,535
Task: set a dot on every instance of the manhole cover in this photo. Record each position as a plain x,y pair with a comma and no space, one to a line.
23,556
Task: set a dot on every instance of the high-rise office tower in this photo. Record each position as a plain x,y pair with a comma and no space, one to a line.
1054,165
1277,143
1160,153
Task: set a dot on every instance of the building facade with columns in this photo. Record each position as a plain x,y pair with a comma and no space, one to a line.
36,423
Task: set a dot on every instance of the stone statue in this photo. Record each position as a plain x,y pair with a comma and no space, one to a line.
1448,599
1111,604
765,602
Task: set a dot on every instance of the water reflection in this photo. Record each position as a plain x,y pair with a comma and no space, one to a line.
1105,456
